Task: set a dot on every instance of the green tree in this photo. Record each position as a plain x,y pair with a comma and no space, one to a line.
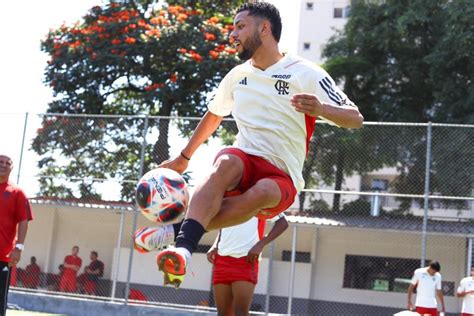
407,61
127,58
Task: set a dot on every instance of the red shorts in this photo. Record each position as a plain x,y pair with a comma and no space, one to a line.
256,168
229,269
467,314
427,311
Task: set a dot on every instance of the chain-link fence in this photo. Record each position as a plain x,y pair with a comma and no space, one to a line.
380,202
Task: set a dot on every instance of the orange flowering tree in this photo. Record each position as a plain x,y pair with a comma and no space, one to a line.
129,58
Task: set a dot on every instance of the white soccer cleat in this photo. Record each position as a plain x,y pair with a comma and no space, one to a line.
153,238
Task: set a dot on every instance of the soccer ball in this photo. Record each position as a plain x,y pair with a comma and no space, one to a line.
162,196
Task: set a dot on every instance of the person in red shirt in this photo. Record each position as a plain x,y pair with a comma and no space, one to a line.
15,213
72,264
91,275
31,278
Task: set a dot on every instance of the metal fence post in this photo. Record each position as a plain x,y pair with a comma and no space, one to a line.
22,146
292,269
135,214
427,194
117,254
269,279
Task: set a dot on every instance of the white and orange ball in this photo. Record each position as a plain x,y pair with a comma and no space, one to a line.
162,196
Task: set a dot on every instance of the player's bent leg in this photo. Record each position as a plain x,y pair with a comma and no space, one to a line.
207,197
223,298
243,295
238,209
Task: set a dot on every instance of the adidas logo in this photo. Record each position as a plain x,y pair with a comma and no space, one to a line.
5,269
243,81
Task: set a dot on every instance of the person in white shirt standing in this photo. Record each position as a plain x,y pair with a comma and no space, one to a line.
427,281
466,291
235,256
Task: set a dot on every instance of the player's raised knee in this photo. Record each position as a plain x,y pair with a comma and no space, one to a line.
229,166
267,191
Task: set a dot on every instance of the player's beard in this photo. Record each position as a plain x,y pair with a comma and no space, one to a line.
250,46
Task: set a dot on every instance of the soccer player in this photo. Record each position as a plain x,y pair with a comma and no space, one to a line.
466,291
275,100
15,213
235,256
428,286
72,264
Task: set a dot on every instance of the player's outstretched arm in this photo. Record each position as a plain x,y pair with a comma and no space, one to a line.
208,125
279,228
347,116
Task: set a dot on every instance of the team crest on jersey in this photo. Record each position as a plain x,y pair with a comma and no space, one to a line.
282,87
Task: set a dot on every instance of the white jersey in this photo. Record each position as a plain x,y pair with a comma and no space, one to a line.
426,288
467,285
236,241
269,126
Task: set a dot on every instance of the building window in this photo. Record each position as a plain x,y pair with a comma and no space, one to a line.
340,13
300,256
309,6
306,46
383,274
380,185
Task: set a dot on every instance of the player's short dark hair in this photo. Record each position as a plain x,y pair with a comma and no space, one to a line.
95,253
267,11
435,266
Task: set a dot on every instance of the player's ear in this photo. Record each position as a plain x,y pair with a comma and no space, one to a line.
265,27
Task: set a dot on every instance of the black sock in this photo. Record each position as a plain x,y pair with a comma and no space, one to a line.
177,228
190,235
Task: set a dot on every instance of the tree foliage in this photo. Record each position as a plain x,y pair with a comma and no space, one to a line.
128,58
405,61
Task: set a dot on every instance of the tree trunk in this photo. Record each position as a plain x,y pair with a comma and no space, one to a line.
302,198
162,147
336,204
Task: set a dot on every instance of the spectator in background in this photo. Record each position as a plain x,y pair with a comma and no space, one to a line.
54,279
15,213
31,277
72,264
427,281
466,291
91,275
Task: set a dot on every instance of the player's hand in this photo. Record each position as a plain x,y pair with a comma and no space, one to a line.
211,255
178,164
410,306
307,103
15,257
254,253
